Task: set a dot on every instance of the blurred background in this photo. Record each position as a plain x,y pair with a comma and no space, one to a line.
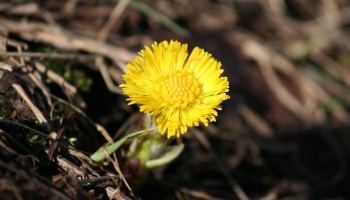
284,134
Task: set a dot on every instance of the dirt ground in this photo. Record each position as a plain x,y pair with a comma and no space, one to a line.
283,134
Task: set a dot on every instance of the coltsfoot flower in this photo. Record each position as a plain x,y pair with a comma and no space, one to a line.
180,91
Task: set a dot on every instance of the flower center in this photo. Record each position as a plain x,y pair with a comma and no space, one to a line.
178,88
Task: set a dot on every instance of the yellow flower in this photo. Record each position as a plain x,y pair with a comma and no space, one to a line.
179,91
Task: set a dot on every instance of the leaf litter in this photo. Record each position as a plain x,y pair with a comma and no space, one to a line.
282,135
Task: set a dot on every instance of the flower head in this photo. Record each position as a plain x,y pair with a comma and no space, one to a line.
177,89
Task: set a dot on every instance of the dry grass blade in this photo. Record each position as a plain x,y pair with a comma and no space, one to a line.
75,56
5,67
50,35
258,123
106,76
35,110
104,133
56,78
116,167
113,17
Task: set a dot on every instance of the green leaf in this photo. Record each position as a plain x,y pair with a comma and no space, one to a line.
99,156
167,155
